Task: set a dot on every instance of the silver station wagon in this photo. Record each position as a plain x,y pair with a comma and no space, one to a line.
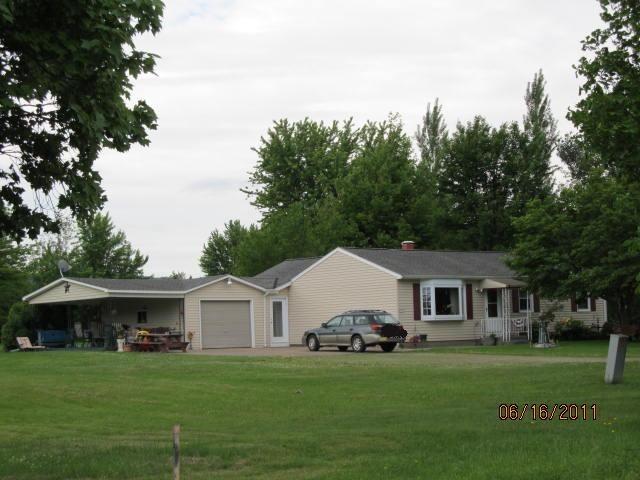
357,329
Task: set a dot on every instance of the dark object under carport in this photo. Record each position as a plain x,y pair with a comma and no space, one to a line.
53,338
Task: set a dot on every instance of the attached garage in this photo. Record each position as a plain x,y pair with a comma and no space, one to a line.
226,323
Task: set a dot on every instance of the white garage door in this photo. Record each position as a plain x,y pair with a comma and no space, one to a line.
226,324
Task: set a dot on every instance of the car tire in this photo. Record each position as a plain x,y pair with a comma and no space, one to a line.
312,343
388,346
343,348
357,344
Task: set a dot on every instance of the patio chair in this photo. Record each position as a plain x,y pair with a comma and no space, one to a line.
25,345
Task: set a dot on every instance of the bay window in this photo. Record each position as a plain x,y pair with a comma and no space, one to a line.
442,300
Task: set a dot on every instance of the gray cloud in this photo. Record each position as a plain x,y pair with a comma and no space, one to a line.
229,68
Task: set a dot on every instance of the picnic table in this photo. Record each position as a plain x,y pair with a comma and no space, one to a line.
158,342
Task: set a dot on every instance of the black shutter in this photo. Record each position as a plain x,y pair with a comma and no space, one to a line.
515,300
469,301
416,302
536,302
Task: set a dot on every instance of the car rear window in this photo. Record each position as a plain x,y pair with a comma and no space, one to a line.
384,319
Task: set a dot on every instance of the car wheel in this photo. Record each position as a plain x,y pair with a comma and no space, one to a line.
357,343
387,347
312,343
343,348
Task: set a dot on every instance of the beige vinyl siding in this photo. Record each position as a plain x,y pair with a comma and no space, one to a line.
161,312
440,330
589,318
222,291
76,293
339,283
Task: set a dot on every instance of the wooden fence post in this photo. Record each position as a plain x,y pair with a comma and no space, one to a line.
176,452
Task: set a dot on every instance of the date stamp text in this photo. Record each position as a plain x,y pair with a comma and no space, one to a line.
544,411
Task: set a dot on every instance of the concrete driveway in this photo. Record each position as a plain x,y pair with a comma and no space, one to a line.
277,352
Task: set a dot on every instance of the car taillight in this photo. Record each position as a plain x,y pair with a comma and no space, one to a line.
375,327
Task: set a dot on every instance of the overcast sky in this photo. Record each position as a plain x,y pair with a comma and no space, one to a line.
229,68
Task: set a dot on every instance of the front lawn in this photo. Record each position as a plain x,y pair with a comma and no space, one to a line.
107,415
587,348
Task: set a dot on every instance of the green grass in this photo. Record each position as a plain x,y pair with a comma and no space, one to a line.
590,348
105,415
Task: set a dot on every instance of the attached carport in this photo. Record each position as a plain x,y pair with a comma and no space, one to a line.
214,312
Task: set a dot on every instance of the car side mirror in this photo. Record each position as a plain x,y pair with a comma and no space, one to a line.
324,325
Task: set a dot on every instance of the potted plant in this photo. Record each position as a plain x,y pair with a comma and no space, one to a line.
120,339
190,339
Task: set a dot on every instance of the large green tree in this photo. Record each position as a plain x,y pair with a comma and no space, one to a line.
14,281
586,240
431,138
300,162
584,243
219,254
104,252
66,70
474,189
608,115
377,193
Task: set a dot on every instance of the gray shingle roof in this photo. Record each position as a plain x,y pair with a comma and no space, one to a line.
437,263
282,272
147,284
409,264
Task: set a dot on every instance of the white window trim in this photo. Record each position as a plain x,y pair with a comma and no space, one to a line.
529,303
588,309
443,283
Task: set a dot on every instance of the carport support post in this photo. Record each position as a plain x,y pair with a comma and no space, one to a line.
176,452
615,358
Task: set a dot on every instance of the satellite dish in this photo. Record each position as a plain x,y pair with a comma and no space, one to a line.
63,267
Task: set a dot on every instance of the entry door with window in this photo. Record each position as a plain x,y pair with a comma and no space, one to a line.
279,322
493,309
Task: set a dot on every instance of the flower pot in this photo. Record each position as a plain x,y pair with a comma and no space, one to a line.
120,342
127,347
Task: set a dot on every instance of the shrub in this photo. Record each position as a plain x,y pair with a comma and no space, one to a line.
20,322
571,329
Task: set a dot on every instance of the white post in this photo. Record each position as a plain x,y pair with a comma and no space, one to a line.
615,358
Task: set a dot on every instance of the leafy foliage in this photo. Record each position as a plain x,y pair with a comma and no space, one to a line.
608,116
219,254
20,322
300,162
65,87
581,243
104,252
431,137
13,276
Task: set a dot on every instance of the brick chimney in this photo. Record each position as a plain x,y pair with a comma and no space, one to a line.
408,245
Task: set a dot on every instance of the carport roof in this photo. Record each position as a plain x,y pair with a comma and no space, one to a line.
146,284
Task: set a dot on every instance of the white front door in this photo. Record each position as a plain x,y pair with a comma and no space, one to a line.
279,322
493,311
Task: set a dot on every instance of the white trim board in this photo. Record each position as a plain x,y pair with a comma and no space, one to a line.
57,282
139,293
